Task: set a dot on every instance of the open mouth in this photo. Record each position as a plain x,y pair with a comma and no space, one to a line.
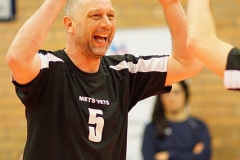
101,37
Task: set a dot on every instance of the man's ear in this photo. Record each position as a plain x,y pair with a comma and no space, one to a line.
68,23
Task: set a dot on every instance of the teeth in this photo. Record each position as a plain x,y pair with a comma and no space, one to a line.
102,35
100,40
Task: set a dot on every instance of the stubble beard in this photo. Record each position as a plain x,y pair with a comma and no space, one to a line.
89,49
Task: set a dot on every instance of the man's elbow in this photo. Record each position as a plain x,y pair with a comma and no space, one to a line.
197,67
15,60
11,59
193,44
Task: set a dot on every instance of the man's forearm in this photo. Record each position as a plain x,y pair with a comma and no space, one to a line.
177,22
33,32
200,19
22,59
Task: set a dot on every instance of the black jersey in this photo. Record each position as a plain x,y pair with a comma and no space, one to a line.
73,115
232,73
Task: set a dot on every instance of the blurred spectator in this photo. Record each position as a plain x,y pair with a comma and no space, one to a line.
173,133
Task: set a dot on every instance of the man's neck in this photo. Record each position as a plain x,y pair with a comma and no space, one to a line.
84,63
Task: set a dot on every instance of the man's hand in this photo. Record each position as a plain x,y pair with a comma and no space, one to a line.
161,155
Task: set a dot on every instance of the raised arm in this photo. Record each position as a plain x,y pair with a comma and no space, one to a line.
202,39
181,63
21,56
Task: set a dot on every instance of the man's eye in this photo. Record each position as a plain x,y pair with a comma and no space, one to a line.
111,16
96,15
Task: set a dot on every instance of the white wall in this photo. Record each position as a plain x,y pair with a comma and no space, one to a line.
140,41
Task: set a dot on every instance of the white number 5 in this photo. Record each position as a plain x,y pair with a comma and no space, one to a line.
96,124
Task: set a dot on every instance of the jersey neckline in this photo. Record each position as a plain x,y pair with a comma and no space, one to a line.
77,70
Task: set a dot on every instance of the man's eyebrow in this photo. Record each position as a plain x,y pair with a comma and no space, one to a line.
98,10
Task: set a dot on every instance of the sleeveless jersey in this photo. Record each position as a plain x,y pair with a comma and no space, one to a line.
74,115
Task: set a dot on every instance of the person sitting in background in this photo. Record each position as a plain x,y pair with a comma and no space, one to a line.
173,133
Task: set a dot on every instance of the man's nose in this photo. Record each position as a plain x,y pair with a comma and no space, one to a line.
106,22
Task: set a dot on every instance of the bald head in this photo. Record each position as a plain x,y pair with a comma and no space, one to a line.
74,6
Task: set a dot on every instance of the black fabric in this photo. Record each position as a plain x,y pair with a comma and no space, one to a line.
233,62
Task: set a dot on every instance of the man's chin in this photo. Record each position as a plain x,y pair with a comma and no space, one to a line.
98,56
100,53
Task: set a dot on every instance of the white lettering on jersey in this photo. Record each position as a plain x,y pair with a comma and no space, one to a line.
93,100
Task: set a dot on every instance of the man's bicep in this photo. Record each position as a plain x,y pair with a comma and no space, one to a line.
176,71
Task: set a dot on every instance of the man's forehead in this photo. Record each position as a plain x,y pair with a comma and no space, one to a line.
98,5
95,1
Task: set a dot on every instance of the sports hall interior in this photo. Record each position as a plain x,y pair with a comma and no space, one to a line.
210,101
